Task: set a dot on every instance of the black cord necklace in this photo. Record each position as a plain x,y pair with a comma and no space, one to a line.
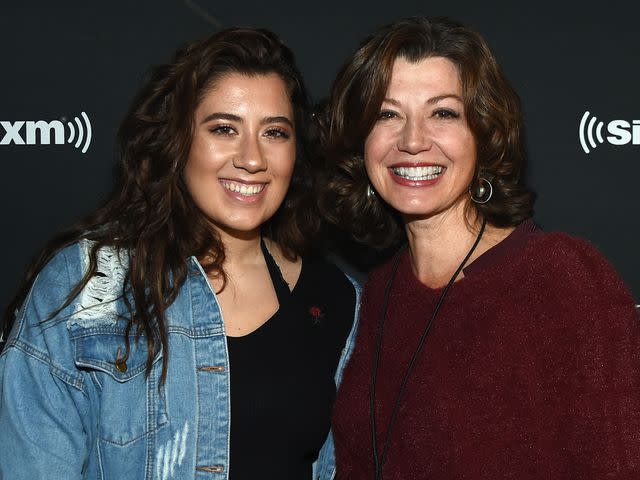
378,461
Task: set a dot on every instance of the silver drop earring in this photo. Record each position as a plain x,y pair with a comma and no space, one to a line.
370,191
483,192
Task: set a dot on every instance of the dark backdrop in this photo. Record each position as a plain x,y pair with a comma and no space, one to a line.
63,58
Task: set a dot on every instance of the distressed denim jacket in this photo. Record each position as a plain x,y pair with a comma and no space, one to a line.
70,410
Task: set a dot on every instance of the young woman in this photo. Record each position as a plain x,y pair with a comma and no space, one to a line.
178,332
487,348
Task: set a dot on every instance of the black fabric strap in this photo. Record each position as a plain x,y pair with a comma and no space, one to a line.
279,284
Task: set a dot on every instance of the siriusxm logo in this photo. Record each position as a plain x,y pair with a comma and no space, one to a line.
41,132
621,132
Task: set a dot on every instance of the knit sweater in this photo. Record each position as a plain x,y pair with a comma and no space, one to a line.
531,371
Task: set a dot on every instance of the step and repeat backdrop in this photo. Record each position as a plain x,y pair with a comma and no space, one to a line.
70,69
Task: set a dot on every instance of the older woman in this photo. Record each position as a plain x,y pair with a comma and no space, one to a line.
487,348
179,332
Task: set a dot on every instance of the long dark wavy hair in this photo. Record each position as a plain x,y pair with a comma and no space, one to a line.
492,109
151,214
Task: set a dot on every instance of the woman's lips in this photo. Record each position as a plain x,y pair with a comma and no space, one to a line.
247,192
416,175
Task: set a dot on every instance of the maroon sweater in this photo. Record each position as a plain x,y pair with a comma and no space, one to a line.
530,371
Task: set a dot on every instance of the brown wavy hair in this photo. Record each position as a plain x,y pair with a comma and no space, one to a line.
492,108
151,214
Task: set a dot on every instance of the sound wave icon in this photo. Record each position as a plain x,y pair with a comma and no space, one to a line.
84,132
588,130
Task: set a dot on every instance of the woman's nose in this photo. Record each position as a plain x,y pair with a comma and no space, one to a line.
415,137
250,157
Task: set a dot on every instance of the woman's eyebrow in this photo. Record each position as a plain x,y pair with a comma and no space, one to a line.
235,118
222,116
276,119
438,98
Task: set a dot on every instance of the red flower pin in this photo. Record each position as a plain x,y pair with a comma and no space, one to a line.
316,313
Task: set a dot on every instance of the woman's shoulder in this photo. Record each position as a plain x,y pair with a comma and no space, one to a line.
50,308
317,272
72,261
325,271
58,275
566,252
53,294
575,264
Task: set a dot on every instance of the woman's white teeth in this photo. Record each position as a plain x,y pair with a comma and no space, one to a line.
244,189
419,173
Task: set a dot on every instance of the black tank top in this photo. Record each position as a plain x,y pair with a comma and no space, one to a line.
282,386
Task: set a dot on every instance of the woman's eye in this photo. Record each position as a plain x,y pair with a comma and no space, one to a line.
277,133
386,115
445,113
223,130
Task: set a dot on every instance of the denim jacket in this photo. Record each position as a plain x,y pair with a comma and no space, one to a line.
69,410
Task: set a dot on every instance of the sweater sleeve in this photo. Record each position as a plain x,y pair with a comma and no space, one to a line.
596,367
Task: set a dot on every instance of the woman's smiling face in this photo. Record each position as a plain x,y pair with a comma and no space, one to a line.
243,151
421,154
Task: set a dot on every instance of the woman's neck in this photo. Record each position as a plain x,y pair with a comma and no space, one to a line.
241,250
242,255
439,243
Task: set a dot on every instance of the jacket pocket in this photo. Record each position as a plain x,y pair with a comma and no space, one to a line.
132,405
